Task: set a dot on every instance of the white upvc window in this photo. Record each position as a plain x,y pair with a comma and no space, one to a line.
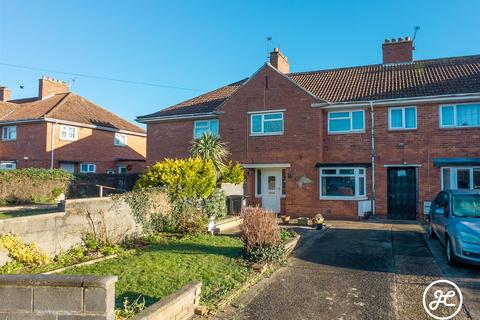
269,123
9,133
402,118
343,183
258,183
68,133
87,168
459,116
204,126
346,121
120,139
8,165
460,178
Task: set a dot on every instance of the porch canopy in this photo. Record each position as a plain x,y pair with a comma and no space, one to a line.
265,165
445,162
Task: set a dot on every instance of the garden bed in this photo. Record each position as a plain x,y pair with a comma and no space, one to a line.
161,268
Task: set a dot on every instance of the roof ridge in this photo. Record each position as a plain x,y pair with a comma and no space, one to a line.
386,65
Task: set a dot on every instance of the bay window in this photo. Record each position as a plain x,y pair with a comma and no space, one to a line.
342,183
460,178
346,121
458,116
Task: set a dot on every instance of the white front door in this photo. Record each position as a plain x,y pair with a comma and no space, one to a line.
271,189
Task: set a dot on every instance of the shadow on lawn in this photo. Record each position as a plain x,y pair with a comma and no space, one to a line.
134,297
193,248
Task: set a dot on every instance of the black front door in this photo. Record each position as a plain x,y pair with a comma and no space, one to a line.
402,193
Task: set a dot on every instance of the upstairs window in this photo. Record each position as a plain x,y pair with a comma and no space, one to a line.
68,133
346,121
402,118
266,123
204,126
120,139
9,133
87,168
460,116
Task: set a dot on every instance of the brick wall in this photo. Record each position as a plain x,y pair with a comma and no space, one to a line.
306,142
177,306
59,231
57,297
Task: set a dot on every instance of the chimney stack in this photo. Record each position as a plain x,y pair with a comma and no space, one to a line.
48,86
279,61
397,50
5,94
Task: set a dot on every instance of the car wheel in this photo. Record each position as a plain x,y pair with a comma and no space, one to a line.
452,260
431,233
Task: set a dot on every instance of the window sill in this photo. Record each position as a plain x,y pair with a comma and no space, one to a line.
401,129
120,145
64,139
459,128
344,198
266,134
9,140
345,132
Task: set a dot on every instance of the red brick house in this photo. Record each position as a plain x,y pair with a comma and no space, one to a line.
60,129
338,141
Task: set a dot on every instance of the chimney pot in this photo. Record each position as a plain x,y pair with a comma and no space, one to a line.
400,39
394,40
387,40
279,61
5,94
407,38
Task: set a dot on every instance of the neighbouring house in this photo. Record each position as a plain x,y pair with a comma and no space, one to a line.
383,138
60,129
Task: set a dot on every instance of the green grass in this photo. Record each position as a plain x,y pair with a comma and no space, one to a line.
24,213
160,269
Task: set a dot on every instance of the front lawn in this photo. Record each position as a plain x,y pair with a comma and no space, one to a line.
160,269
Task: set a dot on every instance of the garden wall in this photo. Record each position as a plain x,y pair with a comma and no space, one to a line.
177,306
57,297
54,232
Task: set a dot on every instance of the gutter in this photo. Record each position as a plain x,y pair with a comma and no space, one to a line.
177,117
399,101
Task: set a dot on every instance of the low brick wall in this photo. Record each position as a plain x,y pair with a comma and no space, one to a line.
58,231
177,306
57,297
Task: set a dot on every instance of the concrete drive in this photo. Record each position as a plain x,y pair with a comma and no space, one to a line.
355,270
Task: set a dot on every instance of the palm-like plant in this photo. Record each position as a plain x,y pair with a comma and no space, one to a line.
210,147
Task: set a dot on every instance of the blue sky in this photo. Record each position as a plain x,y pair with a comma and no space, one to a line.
206,44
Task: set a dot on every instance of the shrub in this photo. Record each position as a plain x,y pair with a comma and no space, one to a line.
233,174
33,185
210,148
182,178
286,233
216,204
189,216
151,208
271,253
260,232
26,254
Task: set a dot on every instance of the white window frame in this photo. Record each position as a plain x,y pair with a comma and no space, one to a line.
66,129
455,125
118,141
453,175
404,122
208,126
356,174
257,171
5,164
6,133
89,165
263,133
350,117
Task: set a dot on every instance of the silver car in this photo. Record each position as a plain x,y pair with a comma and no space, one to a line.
455,220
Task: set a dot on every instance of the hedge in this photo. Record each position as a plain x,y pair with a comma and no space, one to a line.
32,185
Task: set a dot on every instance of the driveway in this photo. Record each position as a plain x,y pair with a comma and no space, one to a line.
355,270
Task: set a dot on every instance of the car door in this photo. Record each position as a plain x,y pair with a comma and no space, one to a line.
433,214
442,216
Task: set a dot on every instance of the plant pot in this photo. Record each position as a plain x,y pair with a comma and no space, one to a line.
285,219
319,226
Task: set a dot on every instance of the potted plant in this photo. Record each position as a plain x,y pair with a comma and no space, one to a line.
318,221
285,219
